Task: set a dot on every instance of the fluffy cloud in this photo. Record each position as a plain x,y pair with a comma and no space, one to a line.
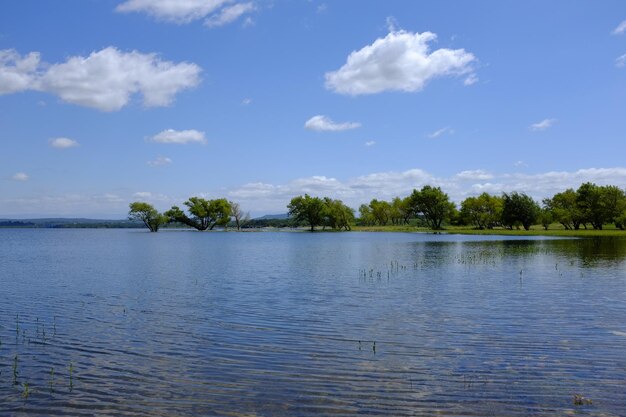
179,136
441,132
160,161
219,12
401,61
265,197
324,124
620,29
105,80
20,176
229,14
17,73
63,143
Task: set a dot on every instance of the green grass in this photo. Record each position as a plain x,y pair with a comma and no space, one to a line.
554,230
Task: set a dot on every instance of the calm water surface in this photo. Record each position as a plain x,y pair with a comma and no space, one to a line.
128,323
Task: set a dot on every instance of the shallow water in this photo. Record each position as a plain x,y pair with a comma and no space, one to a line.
264,324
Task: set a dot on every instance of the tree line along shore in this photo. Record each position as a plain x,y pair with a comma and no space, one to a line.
590,207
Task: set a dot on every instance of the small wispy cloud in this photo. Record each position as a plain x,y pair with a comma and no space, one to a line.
443,131
179,136
246,101
542,125
520,164
620,61
470,79
370,143
160,161
20,176
62,143
620,29
322,8
229,14
324,124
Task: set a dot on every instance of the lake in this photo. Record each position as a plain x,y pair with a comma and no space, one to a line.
181,323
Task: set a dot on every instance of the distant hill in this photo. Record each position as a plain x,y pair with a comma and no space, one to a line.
69,223
273,217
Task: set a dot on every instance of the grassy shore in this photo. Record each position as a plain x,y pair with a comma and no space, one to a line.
554,230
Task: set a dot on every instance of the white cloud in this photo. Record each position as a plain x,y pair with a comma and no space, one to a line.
324,124
20,176
105,80
401,61
265,197
229,14
179,136
441,132
520,164
620,61
542,125
176,11
151,197
160,161
620,29
17,73
474,175
246,101
370,143
63,143
273,198
215,12
471,79
322,8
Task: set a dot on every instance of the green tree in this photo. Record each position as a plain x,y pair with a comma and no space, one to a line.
381,211
307,209
337,215
545,218
400,212
519,208
564,209
204,214
433,204
483,212
144,212
366,218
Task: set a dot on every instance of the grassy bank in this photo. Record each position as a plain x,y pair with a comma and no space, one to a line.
554,230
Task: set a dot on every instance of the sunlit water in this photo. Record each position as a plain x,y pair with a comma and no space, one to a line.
123,323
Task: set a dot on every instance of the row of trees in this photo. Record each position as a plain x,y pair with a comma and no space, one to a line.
201,214
316,211
590,204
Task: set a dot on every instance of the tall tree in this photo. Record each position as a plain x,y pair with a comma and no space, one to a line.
366,217
205,214
519,208
238,215
483,212
565,209
337,215
381,211
307,209
433,204
147,214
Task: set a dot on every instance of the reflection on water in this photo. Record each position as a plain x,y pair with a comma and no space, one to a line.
247,324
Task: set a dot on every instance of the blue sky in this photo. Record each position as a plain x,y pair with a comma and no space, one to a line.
107,102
